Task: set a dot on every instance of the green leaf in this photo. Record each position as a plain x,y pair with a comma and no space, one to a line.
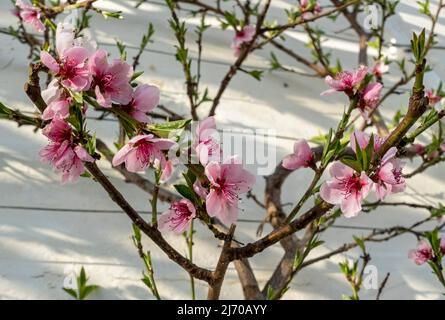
86,175
351,162
71,292
270,293
113,15
190,178
122,50
273,62
185,191
87,290
257,74
137,233
360,243
231,18
164,130
136,75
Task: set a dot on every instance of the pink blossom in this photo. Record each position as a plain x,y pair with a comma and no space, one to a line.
227,181
111,82
30,14
144,99
422,254
57,130
66,157
143,151
433,98
243,36
419,149
57,101
307,11
389,178
442,245
347,189
178,217
70,66
346,81
302,156
370,98
380,68
206,143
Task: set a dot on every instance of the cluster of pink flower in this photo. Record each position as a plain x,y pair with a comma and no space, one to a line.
62,153
351,82
424,252
349,188
29,14
219,187
78,67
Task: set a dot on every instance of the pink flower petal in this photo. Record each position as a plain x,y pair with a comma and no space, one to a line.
49,61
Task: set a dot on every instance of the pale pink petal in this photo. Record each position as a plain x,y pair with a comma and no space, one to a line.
83,154
103,99
213,172
146,97
76,55
390,154
166,171
120,156
216,206
98,62
331,192
52,92
163,144
351,206
133,163
164,220
140,116
360,74
49,61
77,83
199,189
64,37
339,170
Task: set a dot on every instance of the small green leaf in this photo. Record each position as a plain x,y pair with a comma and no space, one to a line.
185,191
113,15
71,292
164,130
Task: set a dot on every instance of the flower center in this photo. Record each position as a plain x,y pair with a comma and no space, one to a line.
240,34
351,185
398,175
182,213
106,81
346,78
68,68
227,190
145,151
